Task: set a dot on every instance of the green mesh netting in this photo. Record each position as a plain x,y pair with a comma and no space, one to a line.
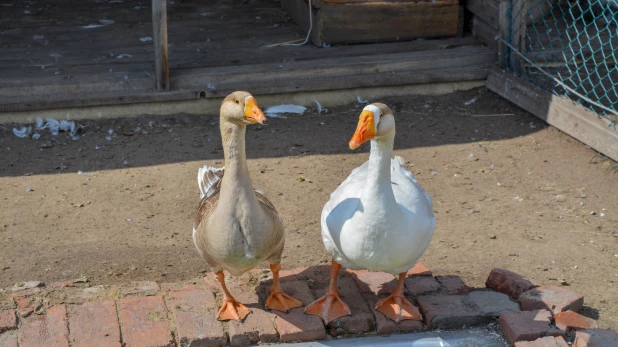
576,42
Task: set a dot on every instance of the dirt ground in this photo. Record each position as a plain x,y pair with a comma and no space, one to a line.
508,192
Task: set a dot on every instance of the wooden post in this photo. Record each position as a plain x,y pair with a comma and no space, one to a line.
503,29
159,37
518,34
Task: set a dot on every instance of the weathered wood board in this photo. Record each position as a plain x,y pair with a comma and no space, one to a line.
371,21
562,113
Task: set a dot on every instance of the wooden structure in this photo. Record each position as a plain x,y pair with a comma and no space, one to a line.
60,54
491,20
371,21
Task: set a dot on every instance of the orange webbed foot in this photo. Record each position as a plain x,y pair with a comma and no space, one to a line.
329,307
397,308
232,309
280,301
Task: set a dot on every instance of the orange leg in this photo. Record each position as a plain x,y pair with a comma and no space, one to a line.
277,299
231,309
396,307
330,306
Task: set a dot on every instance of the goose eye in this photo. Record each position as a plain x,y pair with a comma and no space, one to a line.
236,101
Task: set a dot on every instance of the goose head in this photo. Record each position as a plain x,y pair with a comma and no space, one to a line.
241,108
374,122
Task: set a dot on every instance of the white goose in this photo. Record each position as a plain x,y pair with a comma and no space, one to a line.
378,219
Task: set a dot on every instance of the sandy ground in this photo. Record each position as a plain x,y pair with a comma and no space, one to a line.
508,192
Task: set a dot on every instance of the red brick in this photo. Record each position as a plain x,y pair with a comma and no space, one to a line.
296,325
45,330
95,324
419,270
8,320
509,283
257,327
386,326
450,312
361,320
320,274
570,320
195,311
555,299
547,341
422,285
8,339
453,284
144,322
374,282
595,338
26,293
56,285
141,288
527,325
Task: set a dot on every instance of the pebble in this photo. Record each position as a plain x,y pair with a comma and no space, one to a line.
29,189
592,213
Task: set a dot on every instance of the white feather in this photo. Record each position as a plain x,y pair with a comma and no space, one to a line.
207,177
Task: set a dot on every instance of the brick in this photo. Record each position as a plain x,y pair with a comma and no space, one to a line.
8,320
423,285
492,304
547,341
195,312
374,282
419,270
319,274
26,293
257,327
45,330
296,325
144,322
509,283
386,326
453,284
141,288
361,321
450,312
527,325
595,338
8,339
570,320
555,299
95,324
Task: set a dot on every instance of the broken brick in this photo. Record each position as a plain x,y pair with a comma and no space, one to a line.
509,283
527,325
8,320
422,285
45,330
595,338
547,341
570,320
552,298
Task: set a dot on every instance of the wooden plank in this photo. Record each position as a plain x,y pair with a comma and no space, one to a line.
578,122
450,65
503,29
370,22
486,10
484,32
159,36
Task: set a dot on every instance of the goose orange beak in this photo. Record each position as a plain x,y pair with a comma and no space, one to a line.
365,130
253,114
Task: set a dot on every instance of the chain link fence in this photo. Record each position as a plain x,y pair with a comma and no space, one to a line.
568,48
